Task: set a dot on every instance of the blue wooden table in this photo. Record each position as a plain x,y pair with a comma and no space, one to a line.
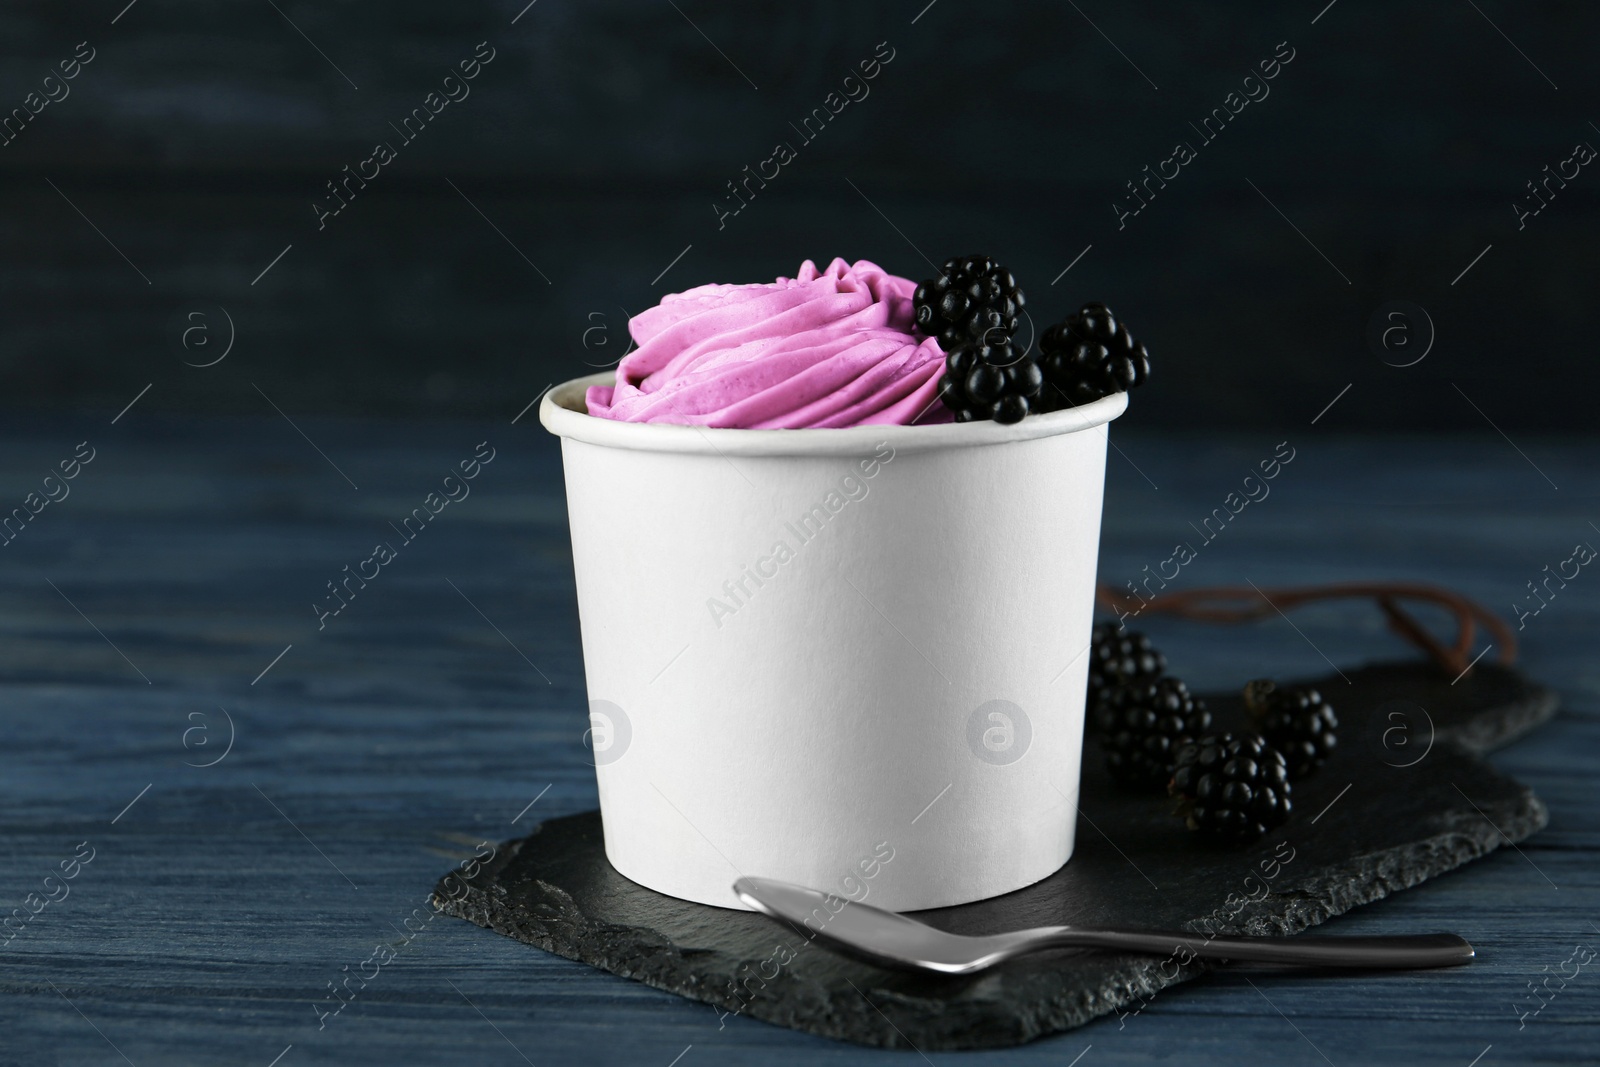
268,794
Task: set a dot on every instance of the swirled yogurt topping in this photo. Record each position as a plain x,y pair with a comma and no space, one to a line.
828,348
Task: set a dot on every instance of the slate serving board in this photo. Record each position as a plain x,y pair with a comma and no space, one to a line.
1406,797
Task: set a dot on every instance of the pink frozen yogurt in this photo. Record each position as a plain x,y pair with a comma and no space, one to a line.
823,349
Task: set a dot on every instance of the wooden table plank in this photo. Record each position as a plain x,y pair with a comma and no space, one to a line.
219,905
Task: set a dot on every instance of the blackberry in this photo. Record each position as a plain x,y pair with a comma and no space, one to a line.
1143,726
1118,657
990,381
1090,355
1298,722
974,299
1234,787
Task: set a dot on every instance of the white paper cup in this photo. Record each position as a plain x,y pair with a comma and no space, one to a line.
888,706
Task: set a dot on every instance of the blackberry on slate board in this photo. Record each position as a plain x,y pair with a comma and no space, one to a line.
1298,722
1143,726
1234,787
974,299
1118,657
1090,355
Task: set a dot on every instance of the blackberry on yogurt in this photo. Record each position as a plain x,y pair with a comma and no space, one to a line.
1090,355
973,299
990,381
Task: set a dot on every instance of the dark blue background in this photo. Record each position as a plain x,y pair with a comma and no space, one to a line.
598,139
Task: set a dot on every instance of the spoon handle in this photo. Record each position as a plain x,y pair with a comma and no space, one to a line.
1421,950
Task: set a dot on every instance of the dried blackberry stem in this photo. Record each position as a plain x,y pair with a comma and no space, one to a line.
1231,603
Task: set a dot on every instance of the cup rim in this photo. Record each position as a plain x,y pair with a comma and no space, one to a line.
564,413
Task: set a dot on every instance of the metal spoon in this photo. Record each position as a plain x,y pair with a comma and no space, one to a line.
893,938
